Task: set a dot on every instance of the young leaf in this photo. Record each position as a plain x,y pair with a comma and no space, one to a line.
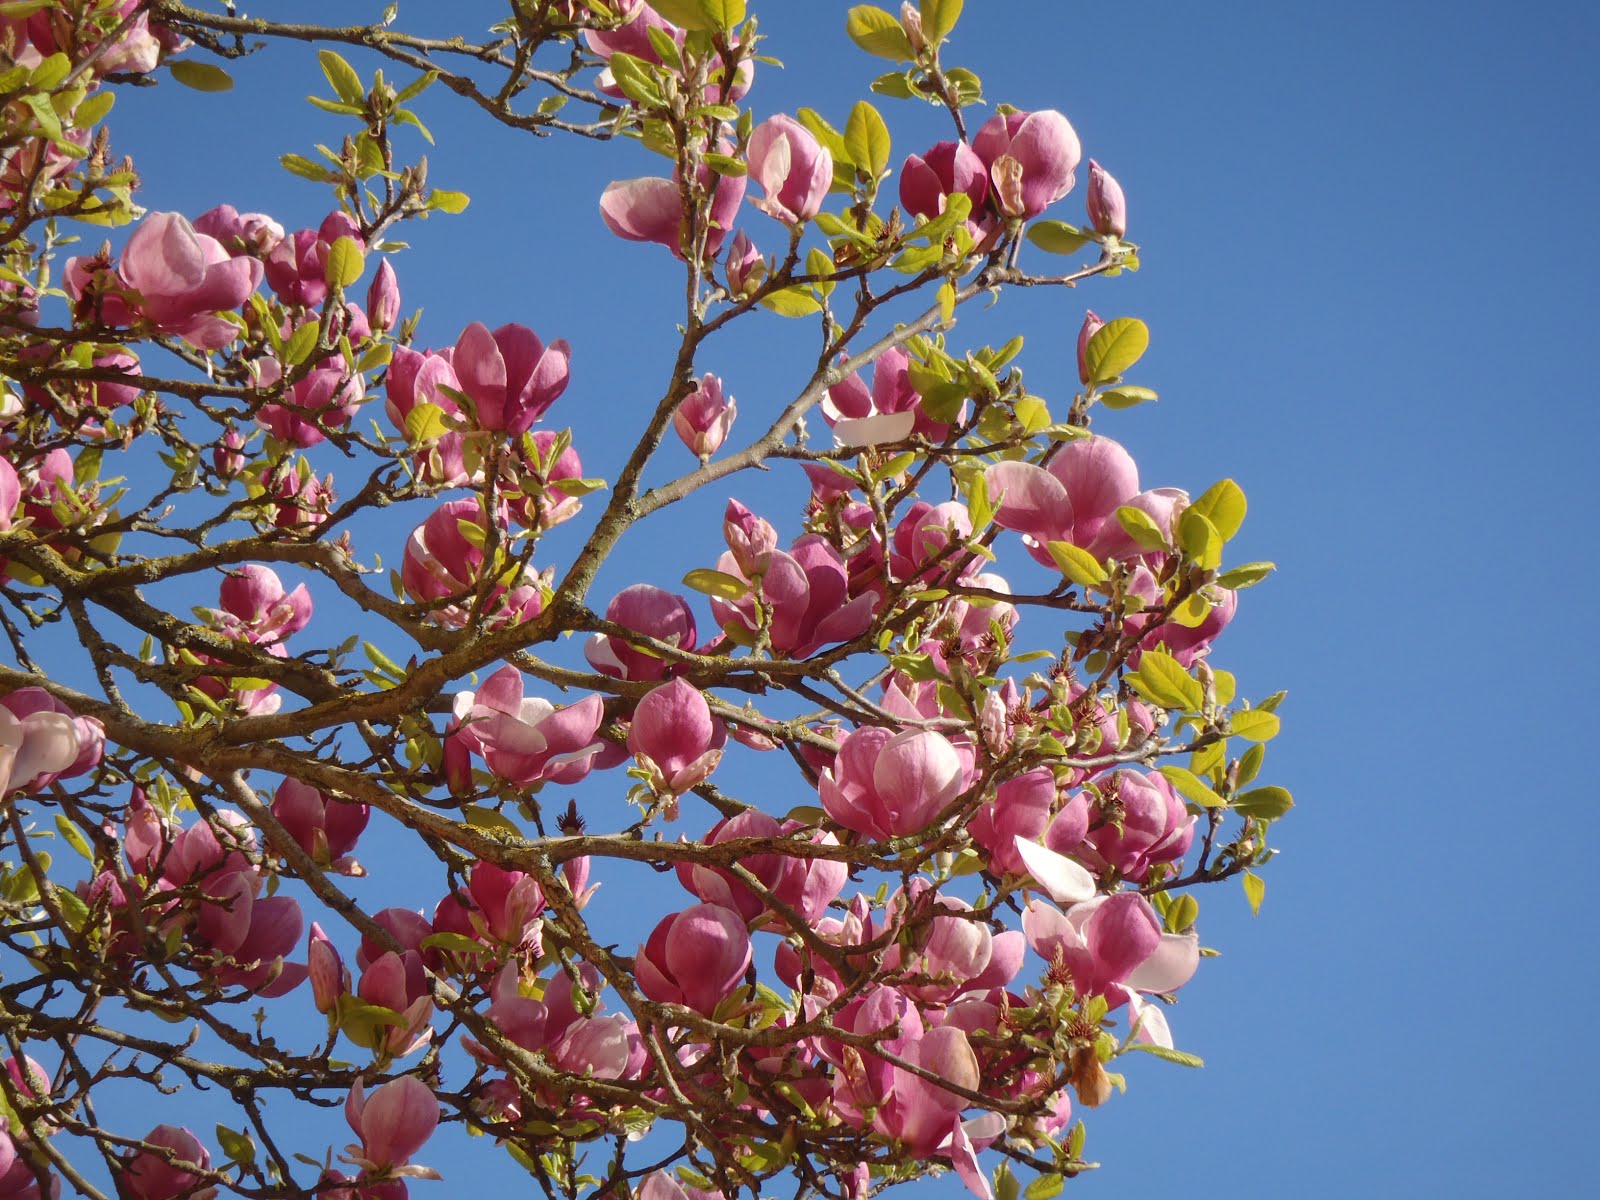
866,137
1115,347
1255,891
345,263
878,33
201,76
1192,788
1077,564
1264,803
717,583
342,78
1057,237
1222,504
1254,725
939,17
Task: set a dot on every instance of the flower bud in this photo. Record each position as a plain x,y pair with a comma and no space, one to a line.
1108,208
383,298
228,454
1091,326
704,417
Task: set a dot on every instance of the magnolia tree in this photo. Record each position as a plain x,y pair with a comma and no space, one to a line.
979,655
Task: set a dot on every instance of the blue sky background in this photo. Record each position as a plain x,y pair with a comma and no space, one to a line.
1370,274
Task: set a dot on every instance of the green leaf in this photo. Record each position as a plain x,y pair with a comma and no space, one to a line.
1057,237
239,1147
1246,575
1077,564
818,263
1171,1056
1185,911
455,943
1125,397
792,302
878,33
723,14
866,137
448,202
345,263
1192,788
1250,763
1223,504
1045,1187
947,302
299,164
686,14
50,72
939,17
1264,803
1253,725
894,85
488,818
342,78
300,344
830,138
1162,679
201,76
1142,528
635,78
425,423
717,583
1115,347
1199,539
1255,891
416,87
73,836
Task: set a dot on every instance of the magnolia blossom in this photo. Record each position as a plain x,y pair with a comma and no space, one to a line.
393,1124
1112,942
806,885
885,784
1108,208
501,908
254,234
510,375
675,737
297,267
1072,499
1031,159
148,1176
444,560
326,828
651,209
42,740
254,606
890,411
928,180
523,739
792,167
694,958
653,612
1147,824
179,281
703,417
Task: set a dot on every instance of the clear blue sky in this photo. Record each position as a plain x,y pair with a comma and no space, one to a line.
1371,261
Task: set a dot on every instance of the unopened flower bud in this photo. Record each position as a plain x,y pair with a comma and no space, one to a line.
1091,326
911,22
383,298
1108,208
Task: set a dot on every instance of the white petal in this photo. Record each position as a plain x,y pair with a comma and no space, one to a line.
1170,967
1063,879
49,744
876,430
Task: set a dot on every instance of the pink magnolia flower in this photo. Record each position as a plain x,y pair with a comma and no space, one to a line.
398,983
40,741
1022,808
1108,207
1111,942
383,297
298,499
255,605
632,37
393,1124
792,167
297,267
744,265
183,279
1144,823
499,908
806,590
927,181
651,209
326,828
1031,159
533,486
444,560
325,398
1188,643
330,978
147,1176
227,456
649,610
694,958
10,493
510,375
1073,499
675,736
890,411
255,234
703,417
807,885
885,784
523,739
